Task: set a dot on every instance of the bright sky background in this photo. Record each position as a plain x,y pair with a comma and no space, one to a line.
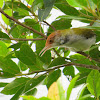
42,88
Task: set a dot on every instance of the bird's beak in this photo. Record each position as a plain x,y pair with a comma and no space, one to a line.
44,50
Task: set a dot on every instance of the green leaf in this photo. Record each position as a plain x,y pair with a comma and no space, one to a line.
60,24
46,58
15,46
3,49
61,90
36,4
69,70
3,35
95,53
78,58
52,77
73,3
20,13
81,92
86,4
97,2
5,19
44,98
18,31
29,98
97,28
83,77
14,86
66,8
22,66
33,23
43,13
17,94
26,55
4,75
16,5
83,3
9,66
93,81
3,84
97,36
30,1
1,3
33,82
71,86
57,61
74,17
31,92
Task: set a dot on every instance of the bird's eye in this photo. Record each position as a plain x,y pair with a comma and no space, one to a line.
50,41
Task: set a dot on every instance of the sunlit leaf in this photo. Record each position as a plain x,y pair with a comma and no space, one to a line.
29,98
61,90
71,86
73,3
93,81
1,3
81,92
53,92
3,49
5,19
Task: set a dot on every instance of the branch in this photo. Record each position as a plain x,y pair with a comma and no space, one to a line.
21,39
50,25
30,28
88,56
64,65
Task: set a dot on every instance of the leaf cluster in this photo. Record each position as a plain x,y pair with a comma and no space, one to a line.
25,20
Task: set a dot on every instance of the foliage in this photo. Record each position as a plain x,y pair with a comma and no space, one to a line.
21,23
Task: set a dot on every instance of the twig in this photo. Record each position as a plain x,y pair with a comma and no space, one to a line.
30,28
20,39
50,25
88,56
56,52
64,65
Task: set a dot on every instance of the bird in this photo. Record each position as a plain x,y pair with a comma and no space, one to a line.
75,39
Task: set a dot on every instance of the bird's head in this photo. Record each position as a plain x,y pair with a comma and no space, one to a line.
51,42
